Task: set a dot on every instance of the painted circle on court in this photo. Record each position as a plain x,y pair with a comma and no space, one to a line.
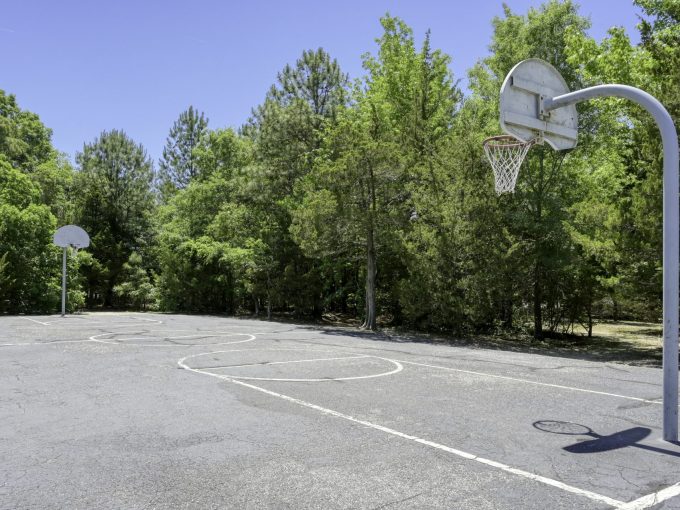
173,339
239,365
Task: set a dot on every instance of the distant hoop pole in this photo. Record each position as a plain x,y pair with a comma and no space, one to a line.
63,283
75,237
671,256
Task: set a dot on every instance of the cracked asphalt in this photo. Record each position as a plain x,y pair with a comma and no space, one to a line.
97,413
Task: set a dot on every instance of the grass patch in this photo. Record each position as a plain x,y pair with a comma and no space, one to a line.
633,343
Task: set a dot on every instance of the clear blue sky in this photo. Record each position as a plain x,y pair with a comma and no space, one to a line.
89,66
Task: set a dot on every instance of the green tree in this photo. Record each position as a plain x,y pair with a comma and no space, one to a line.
628,141
205,231
55,179
360,197
34,186
316,80
114,205
178,165
136,289
6,282
534,220
30,260
287,131
25,142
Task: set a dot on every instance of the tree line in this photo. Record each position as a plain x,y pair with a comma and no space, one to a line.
367,197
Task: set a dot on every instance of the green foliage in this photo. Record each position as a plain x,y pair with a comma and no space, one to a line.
16,188
625,144
178,165
6,282
287,132
287,128
205,253
75,296
136,289
24,141
315,80
372,199
360,194
30,264
55,179
114,204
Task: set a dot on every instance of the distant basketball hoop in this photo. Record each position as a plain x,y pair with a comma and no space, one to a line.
69,236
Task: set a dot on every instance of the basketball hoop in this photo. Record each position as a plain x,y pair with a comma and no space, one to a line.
74,237
506,153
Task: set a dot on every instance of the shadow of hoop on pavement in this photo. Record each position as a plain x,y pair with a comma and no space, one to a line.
623,439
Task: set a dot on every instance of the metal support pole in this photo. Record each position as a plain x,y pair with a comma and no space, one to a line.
63,283
671,254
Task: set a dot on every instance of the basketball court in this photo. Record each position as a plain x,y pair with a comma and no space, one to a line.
174,411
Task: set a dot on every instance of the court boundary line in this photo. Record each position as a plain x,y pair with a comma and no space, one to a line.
657,401
89,321
529,381
44,343
653,499
92,339
459,453
37,322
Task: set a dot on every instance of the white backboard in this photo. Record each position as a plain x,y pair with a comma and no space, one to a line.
71,235
521,105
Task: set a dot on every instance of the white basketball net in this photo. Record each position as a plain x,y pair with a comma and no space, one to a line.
506,154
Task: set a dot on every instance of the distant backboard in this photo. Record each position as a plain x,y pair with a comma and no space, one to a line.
71,235
521,101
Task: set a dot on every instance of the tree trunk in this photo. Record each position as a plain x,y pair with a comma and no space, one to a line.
371,264
269,297
538,298
370,322
257,305
590,317
508,313
615,304
538,289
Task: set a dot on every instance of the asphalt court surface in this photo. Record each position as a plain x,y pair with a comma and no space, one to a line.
123,410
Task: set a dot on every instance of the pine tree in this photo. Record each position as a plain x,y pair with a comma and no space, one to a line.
178,165
114,205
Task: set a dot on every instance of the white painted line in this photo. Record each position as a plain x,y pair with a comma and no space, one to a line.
201,334
81,323
459,453
529,381
94,338
652,499
284,362
46,343
78,324
37,322
145,319
398,368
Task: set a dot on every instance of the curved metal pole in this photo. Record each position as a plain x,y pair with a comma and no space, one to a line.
669,138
